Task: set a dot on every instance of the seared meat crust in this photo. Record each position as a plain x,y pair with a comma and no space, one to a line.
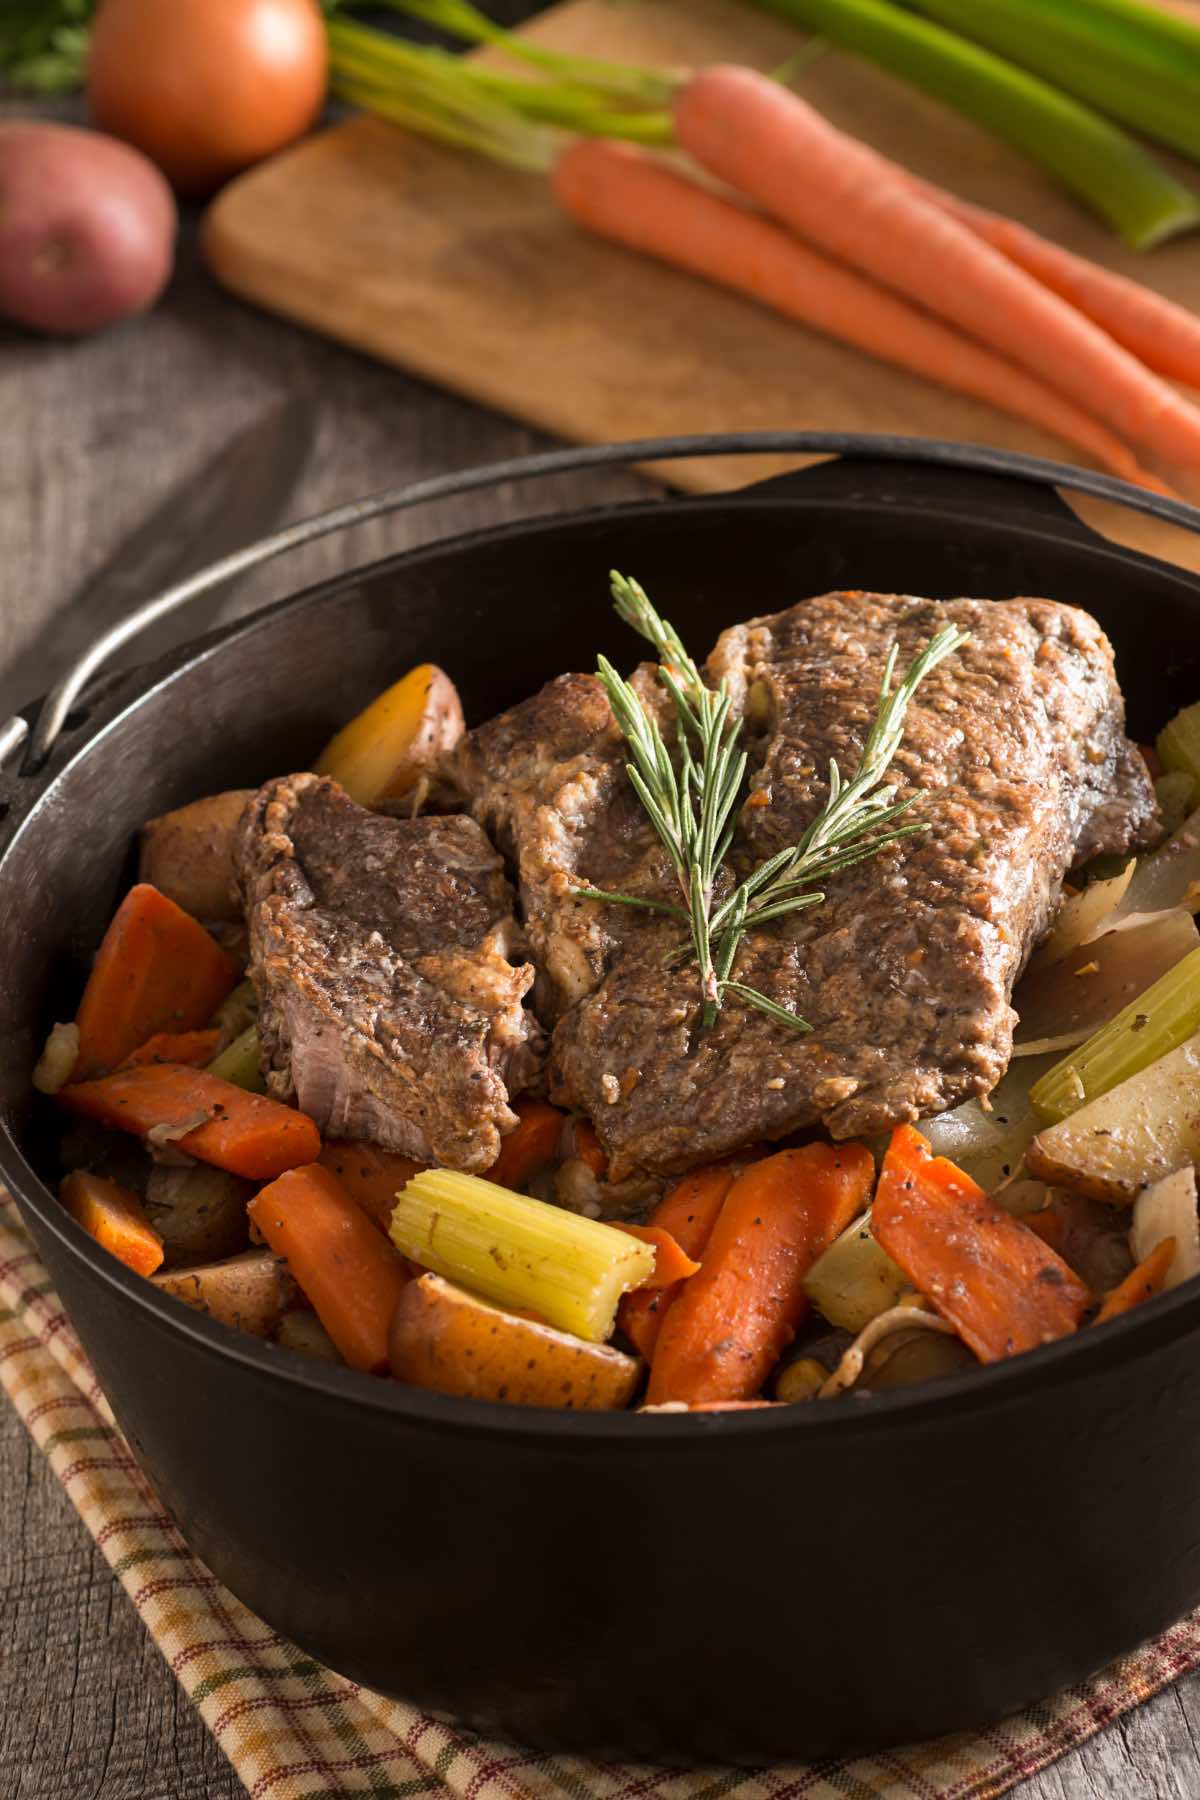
905,972
387,965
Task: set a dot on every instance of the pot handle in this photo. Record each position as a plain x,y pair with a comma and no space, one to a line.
15,733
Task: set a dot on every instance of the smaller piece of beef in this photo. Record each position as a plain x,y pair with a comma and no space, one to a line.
389,970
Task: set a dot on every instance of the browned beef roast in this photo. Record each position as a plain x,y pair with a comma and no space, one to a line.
905,972
547,780
383,954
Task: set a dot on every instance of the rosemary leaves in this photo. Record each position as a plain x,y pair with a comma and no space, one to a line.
691,797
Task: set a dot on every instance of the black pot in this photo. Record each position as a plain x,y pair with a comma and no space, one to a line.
726,1587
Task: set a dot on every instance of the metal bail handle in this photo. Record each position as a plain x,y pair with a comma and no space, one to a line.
848,445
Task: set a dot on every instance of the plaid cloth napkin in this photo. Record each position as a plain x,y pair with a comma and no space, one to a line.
295,1731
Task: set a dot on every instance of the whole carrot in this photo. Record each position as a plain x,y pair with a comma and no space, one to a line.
347,1269
688,1210
778,151
731,1322
622,194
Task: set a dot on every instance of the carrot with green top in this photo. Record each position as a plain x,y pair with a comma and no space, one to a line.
201,1115
1001,1287
731,1322
688,1210
335,1252
156,970
115,1217
778,151
621,194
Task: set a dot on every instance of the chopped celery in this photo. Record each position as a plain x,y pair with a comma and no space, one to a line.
1117,71
521,1253
240,1063
1103,165
1179,747
1157,1022
1174,792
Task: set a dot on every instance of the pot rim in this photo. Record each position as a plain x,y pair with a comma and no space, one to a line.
1139,1333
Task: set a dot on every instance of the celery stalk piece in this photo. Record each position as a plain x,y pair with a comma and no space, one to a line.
1151,1026
1103,165
1176,792
520,1253
1099,67
239,1062
1178,746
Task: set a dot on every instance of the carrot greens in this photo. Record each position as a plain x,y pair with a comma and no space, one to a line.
690,798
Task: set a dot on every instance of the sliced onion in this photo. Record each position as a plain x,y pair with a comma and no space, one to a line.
1168,1209
1063,1005
1082,916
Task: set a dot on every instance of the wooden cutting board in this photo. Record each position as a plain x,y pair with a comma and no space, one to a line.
466,274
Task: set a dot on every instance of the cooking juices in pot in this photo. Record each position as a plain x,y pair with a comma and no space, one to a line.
817,1019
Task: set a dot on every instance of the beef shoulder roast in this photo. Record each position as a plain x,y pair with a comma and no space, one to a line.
547,781
389,971
905,972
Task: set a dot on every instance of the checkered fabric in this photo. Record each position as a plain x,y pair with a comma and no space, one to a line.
295,1731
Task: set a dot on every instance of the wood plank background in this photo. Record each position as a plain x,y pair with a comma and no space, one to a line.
91,434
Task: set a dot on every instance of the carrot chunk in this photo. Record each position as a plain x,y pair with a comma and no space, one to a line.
730,1322
530,1147
195,1048
115,1217
999,1284
156,970
672,1264
688,1210
588,1148
335,1252
1142,1283
372,1177
199,1113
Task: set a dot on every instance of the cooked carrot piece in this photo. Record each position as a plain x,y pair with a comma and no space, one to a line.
688,1210
195,1048
156,970
372,1177
672,1263
115,1217
730,1322
350,1273
999,1284
530,1147
588,1150
199,1113
1142,1283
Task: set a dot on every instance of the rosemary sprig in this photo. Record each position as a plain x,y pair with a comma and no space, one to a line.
691,797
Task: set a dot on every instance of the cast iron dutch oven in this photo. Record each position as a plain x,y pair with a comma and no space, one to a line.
730,1588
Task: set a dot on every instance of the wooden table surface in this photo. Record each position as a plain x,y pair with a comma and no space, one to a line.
91,434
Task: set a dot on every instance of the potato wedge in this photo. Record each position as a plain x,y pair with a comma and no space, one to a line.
383,753
1130,1137
251,1291
199,1212
303,1333
188,855
455,1343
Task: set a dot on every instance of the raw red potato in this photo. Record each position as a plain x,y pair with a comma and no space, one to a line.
87,229
207,87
